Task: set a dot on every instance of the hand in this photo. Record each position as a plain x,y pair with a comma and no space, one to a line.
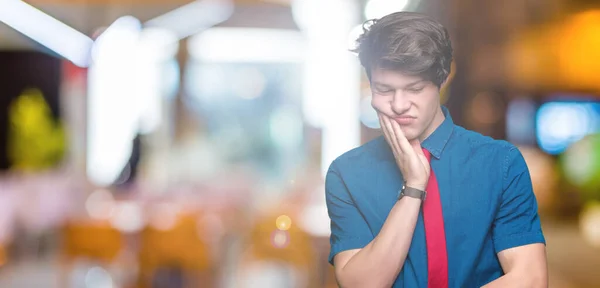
409,157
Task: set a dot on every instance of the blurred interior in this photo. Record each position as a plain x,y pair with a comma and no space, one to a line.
183,143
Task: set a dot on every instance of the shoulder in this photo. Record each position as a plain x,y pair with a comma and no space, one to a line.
476,142
361,157
485,148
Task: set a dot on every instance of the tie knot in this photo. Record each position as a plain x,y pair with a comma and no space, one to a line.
427,154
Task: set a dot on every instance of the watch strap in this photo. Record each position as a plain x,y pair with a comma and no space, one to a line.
412,192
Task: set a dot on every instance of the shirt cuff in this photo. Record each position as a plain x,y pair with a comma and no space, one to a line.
516,240
345,244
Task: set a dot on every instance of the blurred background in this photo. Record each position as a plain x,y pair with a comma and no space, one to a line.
155,143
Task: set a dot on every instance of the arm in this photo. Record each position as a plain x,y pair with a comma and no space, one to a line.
378,263
524,266
517,232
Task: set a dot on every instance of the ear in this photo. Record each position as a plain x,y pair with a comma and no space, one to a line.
442,86
449,76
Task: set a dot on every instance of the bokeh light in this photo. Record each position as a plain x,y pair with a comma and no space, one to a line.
127,217
368,115
164,216
283,222
581,164
520,121
559,124
484,109
578,57
97,277
544,176
315,220
589,223
280,239
100,204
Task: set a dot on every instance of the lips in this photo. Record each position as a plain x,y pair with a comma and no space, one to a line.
405,120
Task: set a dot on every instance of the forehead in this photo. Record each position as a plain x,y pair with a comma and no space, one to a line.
393,78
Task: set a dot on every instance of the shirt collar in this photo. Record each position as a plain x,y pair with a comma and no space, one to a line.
436,142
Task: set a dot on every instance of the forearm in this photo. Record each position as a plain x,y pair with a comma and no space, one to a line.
524,266
378,263
513,279
507,280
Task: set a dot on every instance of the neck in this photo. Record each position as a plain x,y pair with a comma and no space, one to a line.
438,119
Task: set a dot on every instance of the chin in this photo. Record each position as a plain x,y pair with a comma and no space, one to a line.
411,134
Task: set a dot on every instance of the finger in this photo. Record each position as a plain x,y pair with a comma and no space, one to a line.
394,139
425,162
384,130
403,143
416,145
386,134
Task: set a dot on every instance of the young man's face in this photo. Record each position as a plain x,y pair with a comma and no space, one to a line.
409,100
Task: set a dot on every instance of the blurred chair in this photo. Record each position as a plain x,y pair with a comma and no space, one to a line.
95,241
177,254
279,250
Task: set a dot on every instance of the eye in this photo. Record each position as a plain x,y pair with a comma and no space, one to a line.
380,90
415,90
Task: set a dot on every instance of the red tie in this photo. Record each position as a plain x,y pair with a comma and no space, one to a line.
435,237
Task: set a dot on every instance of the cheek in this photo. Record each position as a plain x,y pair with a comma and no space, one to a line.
427,101
378,104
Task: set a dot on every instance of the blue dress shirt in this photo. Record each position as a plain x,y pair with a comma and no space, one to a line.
487,201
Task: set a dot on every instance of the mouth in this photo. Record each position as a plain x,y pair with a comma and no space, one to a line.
404,120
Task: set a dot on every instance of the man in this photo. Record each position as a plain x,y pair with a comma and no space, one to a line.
465,218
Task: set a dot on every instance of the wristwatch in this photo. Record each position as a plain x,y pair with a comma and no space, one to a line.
412,192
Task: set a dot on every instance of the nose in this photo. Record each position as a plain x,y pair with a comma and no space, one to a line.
400,104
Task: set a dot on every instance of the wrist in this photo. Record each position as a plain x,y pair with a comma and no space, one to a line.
417,186
412,192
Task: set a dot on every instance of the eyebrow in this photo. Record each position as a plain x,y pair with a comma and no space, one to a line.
409,85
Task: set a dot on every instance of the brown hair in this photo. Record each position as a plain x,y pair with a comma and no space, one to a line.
409,42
